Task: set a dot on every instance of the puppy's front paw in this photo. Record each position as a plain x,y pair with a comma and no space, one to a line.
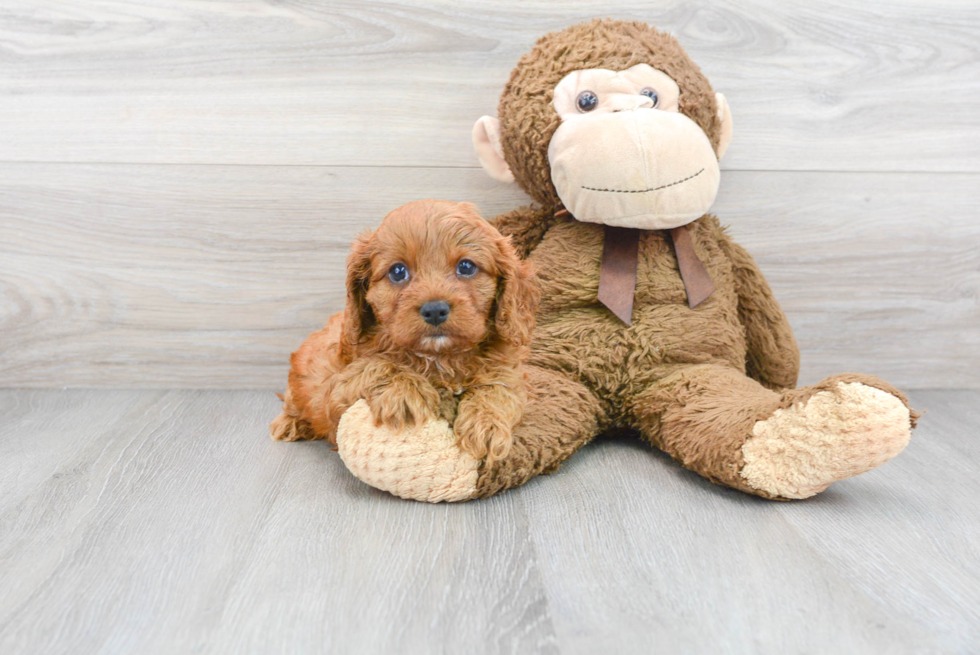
482,432
398,405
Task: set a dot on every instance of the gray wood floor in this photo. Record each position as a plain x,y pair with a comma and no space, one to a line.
166,522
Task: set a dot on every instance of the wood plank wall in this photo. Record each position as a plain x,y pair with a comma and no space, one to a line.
179,180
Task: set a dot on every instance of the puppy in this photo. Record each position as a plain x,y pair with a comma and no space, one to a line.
438,319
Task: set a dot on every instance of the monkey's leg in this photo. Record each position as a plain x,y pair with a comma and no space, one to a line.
727,427
425,462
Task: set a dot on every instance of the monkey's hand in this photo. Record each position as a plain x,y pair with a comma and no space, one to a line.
422,462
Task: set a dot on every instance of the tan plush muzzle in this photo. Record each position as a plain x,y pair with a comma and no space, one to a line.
641,168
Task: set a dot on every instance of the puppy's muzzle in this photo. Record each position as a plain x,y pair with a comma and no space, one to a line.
435,312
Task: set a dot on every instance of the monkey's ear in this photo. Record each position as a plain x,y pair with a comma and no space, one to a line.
725,117
486,141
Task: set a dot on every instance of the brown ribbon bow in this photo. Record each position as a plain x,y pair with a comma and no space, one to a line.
617,273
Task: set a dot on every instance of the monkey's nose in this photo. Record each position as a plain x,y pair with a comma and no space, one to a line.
435,312
629,102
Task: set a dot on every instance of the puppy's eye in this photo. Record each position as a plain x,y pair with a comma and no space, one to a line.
586,101
398,273
466,268
650,93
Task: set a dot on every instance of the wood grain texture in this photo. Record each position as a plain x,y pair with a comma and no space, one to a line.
207,276
885,562
162,522
178,526
828,85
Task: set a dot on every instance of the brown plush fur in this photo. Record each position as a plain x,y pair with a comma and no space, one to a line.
466,370
693,382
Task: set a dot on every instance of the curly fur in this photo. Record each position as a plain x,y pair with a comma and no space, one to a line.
466,370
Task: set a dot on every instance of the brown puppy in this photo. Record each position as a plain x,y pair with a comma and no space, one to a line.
439,317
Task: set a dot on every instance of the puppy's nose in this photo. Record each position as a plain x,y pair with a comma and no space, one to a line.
435,312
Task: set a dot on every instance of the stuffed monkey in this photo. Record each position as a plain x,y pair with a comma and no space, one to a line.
652,317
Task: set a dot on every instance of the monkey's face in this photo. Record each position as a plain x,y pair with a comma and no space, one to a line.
623,155
579,125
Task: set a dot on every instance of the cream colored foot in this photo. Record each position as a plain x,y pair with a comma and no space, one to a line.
419,463
801,450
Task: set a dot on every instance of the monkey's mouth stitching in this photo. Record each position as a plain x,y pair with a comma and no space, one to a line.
664,186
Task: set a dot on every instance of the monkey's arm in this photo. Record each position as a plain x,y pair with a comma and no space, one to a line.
525,226
773,357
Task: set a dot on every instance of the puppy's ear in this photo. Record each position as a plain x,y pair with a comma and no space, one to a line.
517,296
358,316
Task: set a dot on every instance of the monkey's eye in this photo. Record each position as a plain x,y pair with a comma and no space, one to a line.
586,101
466,268
398,273
650,93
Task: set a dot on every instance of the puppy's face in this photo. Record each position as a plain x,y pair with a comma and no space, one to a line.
432,276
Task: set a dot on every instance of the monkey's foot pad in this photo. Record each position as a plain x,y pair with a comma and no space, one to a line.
422,462
834,434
